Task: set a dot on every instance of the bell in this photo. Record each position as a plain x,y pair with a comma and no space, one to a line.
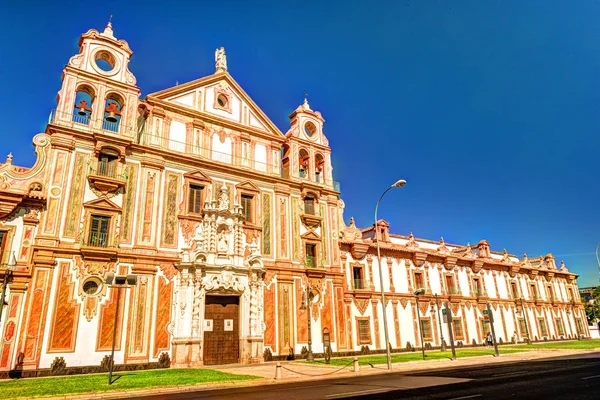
82,111
111,117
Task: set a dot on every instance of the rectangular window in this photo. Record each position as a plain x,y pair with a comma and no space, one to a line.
522,327
450,285
514,290
560,327
364,331
358,278
570,294
309,205
458,328
195,199
543,327
419,280
477,288
426,327
485,327
534,294
99,231
311,255
3,240
579,326
247,207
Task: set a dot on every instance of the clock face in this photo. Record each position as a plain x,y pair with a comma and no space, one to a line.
310,129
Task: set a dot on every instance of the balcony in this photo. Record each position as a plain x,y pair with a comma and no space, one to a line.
106,177
426,289
454,292
85,123
311,216
99,247
312,262
361,284
538,298
480,293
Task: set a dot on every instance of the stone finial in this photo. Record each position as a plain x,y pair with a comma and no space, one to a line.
220,60
108,30
352,224
9,158
563,267
306,105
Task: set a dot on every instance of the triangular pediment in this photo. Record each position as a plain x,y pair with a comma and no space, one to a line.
197,175
202,95
311,235
247,185
102,204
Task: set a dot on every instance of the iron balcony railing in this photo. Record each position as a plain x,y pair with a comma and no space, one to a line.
109,169
427,289
85,123
98,239
480,292
361,284
453,290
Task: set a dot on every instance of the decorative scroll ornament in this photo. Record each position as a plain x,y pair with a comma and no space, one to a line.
469,252
224,281
412,243
442,249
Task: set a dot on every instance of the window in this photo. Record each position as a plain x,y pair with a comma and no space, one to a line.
570,294
310,129
477,288
419,280
247,207
107,165
560,327
358,278
543,327
450,285
309,205
426,327
3,240
533,289
91,286
550,293
514,290
523,327
579,326
311,255
99,231
222,101
364,330
195,199
458,328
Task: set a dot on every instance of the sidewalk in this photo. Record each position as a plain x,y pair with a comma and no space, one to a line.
298,371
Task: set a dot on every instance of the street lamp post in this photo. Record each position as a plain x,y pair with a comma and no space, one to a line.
398,184
437,305
417,293
306,306
117,282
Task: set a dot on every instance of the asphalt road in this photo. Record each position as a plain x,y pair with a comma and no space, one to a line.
554,378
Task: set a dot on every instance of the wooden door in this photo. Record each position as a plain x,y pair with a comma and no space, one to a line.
221,345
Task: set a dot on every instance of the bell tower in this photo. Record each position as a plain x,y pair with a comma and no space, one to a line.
98,91
306,152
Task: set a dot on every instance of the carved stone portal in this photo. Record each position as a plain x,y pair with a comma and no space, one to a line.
213,263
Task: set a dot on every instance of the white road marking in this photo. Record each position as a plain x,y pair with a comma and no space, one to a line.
359,392
465,397
590,377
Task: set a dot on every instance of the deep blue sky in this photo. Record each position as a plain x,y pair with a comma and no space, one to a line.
489,109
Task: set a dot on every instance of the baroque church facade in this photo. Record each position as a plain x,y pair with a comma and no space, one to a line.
236,234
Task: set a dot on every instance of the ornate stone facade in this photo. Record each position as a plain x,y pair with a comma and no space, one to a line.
227,222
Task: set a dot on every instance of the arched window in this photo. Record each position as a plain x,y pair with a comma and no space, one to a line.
303,163
319,168
84,98
112,112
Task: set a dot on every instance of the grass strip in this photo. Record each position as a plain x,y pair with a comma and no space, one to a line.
417,355
85,384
